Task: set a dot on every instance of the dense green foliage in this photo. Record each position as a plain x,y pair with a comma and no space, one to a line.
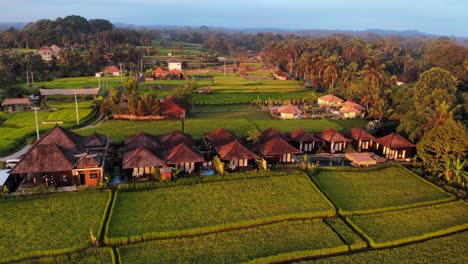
438,250
398,227
50,222
217,203
93,255
354,191
237,245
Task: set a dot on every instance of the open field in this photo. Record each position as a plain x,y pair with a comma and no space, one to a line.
449,249
397,227
199,127
237,245
358,191
314,125
215,204
92,255
50,222
257,115
19,126
352,239
118,130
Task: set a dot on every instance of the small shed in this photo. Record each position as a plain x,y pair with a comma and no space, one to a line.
289,111
16,104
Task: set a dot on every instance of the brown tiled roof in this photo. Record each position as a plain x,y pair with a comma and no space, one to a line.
276,146
45,158
88,161
16,101
351,105
360,134
159,70
143,139
175,138
220,137
183,154
63,138
95,141
168,106
235,151
331,98
299,135
331,135
140,158
289,109
111,69
271,133
394,141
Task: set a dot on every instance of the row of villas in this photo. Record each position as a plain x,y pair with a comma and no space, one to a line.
63,158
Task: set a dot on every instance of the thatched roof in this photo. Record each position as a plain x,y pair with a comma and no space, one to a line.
395,141
140,158
331,135
143,139
276,146
271,133
289,109
175,138
45,158
183,154
220,137
360,134
235,151
300,135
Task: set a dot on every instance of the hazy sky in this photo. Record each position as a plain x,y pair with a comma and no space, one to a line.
443,17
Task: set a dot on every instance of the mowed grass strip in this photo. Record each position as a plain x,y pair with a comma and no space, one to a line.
216,204
358,192
92,255
449,249
118,130
238,245
49,222
398,227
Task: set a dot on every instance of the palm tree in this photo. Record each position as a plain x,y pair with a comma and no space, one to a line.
380,110
333,69
253,135
348,75
454,171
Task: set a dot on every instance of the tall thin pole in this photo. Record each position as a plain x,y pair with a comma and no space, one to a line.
121,74
76,107
37,125
225,68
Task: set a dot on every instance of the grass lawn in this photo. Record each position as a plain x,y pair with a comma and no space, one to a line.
92,255
238,245
241,97
225,108
81,82
199,127
47,222
118,130
313,125
19,126
449,249
407,225
357,191
212,204
256,115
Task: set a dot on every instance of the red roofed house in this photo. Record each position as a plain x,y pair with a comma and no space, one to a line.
334,140
306,141
184,158
362,140
236,154
271,133
159,73
395,146
176,74
63,158
16,104
280,75
219,137
112,70
329,100
350,109
171,110
289,111
277,150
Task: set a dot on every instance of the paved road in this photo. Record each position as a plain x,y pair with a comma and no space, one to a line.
17,154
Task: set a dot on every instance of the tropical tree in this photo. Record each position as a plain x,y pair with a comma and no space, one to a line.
253,135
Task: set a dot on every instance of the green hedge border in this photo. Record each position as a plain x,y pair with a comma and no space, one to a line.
301,255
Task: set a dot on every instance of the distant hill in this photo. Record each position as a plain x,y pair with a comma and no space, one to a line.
7,25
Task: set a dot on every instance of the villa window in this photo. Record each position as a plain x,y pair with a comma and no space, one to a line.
93,175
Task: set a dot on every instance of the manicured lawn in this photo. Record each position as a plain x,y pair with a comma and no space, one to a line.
256,115
212,204
389,228
449,249
313,125
48,222
81,82
118,130
225,108
241,97
238,245
199,127
92,255
356,191
351,123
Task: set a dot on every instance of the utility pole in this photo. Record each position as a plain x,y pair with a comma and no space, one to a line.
224,67
37,125
121,74
76,107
